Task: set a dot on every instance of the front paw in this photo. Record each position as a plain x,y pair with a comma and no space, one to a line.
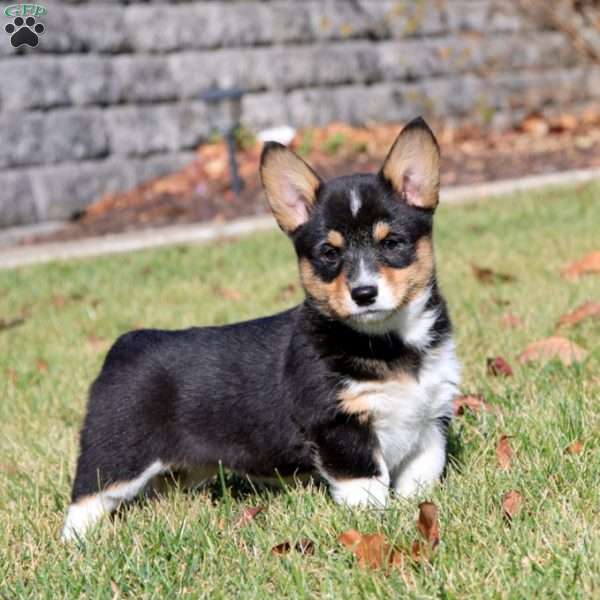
360,492
409,487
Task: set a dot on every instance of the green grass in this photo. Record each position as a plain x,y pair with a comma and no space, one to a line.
184,544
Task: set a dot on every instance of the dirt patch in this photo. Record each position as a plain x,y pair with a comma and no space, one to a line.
201,191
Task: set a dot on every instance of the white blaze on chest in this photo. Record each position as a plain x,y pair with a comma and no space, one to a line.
404,409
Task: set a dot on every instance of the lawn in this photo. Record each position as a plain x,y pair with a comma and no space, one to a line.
188,544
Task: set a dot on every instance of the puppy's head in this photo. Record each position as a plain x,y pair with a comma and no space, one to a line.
363,241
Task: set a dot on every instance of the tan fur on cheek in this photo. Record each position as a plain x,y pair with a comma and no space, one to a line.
380,231
336,239
409,282
333,297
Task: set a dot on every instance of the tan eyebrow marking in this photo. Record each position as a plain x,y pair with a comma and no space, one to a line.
380,230
335,238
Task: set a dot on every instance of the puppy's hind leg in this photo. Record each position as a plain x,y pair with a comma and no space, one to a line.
87,509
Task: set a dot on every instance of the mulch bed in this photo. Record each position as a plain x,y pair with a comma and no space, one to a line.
200,192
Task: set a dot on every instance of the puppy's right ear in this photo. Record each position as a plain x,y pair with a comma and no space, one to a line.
290,185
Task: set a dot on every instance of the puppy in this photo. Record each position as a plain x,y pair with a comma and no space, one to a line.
355,384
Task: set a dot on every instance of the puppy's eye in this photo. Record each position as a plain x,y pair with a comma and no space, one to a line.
329,253
391,243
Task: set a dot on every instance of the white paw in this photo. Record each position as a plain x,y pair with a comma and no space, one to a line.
84,514
360,492
409,487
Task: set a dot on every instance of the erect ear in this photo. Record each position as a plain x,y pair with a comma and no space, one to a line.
290,185
413,165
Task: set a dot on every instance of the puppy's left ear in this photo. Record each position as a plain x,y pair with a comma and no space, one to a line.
413,165
290,184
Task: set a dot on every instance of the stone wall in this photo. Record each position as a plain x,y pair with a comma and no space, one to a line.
110,97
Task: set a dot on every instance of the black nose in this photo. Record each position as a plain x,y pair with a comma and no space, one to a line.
364,294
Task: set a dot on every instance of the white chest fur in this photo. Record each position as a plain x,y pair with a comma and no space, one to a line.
405,410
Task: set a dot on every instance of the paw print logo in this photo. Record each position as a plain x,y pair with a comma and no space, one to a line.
24,31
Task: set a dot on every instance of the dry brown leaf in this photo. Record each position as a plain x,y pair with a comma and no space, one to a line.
575,447
511,321
302,546
511,504
473,402
553,347
283,548
587,265
504,453
287,292
487,275
41,365
585,311
248,515
59,300
535,125
9,468
373,551
498,366
12,376
97,343
564,122
419,551
427,524
231,294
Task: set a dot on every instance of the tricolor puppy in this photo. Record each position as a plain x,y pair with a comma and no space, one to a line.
355,384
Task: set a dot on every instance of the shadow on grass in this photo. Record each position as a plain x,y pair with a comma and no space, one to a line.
227,486
455,450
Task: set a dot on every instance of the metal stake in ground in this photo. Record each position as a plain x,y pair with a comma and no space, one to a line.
224,112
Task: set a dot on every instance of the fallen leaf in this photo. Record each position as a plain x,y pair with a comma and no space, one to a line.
587,265
504,453
248,515
12,376
553,347
10,323
287,292
302,546
487,275
230,294
216,168
564,122
585,311
58,300
97,343
373,551
498,366
473,402
9,468
575,447
511,504
419,551
536,126
41,365
509,320
427,523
